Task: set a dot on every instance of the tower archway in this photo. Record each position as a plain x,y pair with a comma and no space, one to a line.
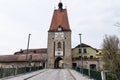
57,63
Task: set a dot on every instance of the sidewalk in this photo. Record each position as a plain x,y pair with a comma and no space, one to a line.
78,76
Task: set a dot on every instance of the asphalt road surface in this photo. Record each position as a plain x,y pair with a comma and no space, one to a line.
50,74
53,74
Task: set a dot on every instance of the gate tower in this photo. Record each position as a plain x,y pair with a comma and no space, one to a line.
59,40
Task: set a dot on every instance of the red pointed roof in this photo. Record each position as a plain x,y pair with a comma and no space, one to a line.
60,18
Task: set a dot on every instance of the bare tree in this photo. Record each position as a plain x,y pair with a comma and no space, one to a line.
111,56
117,24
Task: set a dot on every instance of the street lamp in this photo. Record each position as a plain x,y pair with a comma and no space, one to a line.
27,51
80,53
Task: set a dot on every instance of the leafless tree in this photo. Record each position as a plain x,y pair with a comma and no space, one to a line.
117,24
111,56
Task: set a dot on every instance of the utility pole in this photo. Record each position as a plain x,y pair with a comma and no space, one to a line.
27,52
80,53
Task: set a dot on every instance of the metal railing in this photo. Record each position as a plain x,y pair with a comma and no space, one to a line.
6,72
92,74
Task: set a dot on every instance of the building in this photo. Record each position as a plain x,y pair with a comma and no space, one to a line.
90,57
22,58
88,51
59,40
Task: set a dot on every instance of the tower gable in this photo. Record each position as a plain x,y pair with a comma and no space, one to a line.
60,18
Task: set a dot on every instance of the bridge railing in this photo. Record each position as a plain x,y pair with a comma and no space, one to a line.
99,75
92,74
6,72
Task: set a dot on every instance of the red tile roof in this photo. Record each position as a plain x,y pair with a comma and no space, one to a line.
32,51
34,54
60,18
22,57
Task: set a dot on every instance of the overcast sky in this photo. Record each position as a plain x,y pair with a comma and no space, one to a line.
92,18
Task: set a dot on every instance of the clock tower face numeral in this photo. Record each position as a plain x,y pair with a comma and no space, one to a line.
59,35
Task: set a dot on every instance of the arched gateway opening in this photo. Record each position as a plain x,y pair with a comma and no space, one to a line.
58,64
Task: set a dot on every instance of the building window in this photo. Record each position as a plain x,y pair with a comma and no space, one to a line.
59,44
85,50
91,57
80,57
85,57
80,51
92,66
74,64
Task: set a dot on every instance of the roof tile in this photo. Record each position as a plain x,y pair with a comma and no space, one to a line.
60,18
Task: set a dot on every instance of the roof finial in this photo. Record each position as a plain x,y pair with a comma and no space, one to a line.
60,5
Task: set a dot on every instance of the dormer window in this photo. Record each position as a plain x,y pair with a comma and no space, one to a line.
59,28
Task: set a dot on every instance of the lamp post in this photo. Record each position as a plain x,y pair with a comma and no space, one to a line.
27,52
80,53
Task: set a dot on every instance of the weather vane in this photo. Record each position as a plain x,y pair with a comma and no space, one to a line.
60,5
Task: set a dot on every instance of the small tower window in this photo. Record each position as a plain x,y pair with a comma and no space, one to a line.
59,28
59,44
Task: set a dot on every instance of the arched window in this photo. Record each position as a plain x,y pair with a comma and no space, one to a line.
59,28
59,44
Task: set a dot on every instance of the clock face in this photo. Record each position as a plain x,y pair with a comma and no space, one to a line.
59,35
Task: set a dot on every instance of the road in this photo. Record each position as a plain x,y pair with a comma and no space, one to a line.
54,74
51,74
